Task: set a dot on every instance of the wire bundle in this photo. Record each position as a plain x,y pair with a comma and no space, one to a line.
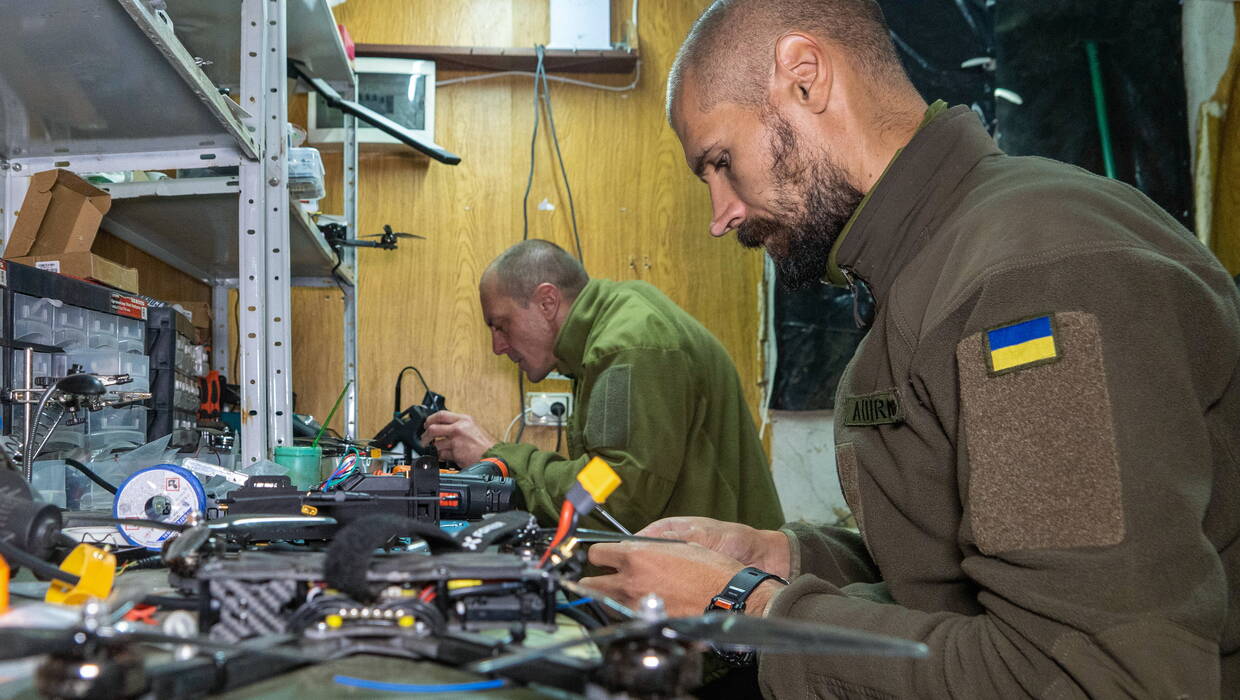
346,466
566,526
542,100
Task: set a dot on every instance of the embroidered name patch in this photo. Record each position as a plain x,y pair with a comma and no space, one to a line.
879,408
1020,345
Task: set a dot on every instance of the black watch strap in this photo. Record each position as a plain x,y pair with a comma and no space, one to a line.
733,596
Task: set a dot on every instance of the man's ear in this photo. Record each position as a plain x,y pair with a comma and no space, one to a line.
547,298
803,73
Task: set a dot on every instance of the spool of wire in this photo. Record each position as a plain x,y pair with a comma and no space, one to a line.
166,493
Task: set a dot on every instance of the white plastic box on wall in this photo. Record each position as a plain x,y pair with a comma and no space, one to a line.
580,24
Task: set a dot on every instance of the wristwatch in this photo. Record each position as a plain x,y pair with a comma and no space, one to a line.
732,600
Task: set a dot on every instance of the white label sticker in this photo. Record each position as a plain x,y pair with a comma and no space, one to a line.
49,265
4,274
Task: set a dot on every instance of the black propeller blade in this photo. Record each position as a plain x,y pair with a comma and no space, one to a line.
784,636
20,642
389,234
765,635
397,234
605,635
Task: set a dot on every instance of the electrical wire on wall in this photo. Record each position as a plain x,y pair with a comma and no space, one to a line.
542,101
529,180
628,87
555,139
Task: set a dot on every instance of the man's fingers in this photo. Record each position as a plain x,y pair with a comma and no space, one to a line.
610,585
660,528
610,555
682,524
442,418
435,431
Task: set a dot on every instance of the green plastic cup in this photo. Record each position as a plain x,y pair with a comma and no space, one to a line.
302,462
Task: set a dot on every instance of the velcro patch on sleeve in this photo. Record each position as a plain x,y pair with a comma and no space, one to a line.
1043,464
846,468
608,422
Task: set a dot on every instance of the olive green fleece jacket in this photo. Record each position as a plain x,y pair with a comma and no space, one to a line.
1039,436
657,397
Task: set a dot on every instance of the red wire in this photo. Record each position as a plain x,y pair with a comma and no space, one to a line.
566,524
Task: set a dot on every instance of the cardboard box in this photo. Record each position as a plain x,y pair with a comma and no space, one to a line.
200,312
56,227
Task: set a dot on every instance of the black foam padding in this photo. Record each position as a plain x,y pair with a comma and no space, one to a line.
349,555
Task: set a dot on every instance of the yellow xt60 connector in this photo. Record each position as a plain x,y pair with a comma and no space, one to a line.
598,479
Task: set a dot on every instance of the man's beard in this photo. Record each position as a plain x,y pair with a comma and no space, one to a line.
818,199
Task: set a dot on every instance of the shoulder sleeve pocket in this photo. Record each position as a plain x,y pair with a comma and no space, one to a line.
1043,464
607,426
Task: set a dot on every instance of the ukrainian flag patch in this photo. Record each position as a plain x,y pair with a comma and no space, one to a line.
1020,345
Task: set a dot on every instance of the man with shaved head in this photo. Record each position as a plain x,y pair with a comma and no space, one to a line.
1039,435
655,395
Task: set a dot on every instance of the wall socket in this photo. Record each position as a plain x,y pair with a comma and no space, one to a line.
538,406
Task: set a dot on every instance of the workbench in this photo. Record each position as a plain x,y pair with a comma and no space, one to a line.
310,682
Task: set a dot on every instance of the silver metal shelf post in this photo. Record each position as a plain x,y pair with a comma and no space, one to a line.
251,234
278,309
350,260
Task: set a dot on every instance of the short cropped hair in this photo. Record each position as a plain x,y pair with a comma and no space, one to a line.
519,270
730,51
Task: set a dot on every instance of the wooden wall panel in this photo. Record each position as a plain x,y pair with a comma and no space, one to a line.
156,278
641,213
318,352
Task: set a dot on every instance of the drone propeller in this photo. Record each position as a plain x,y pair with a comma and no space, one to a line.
605,635
397,234
389,233
784,636
734,632
20,642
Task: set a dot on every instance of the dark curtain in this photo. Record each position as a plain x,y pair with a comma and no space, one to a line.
1039,58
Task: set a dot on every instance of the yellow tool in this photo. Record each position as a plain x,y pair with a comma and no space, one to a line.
95,569
4,585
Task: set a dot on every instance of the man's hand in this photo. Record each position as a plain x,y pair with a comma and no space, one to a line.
685,576
766,549
457,437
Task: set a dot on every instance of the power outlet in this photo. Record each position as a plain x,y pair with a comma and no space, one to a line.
538,406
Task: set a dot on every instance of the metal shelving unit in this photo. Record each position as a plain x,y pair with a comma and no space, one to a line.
190,223
105,85
208,29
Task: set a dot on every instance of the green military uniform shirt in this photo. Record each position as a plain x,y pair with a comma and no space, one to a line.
657,397
1039,437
